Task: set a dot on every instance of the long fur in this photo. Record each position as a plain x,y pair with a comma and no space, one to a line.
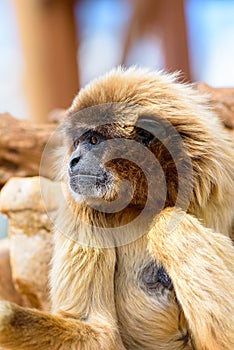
99,298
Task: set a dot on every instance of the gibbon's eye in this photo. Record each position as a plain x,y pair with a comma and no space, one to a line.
151,130
144,137
94,139
76,143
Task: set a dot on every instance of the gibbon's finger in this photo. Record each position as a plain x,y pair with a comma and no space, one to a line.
200,263
29,329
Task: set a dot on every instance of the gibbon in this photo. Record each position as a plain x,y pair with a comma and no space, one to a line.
143,257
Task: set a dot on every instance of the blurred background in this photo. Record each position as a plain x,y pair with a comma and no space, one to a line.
51,48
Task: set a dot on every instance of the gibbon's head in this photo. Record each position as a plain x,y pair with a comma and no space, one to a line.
134,135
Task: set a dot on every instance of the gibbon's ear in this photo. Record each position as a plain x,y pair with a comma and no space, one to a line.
152,124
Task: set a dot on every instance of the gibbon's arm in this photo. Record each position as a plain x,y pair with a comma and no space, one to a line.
201,265
30,329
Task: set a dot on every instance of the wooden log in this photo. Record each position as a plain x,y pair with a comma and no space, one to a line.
164,19
21,146
222,100
50,43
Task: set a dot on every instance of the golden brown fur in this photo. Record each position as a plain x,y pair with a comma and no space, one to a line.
104,298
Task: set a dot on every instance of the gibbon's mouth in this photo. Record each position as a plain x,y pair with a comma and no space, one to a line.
89,185
88,176
99,178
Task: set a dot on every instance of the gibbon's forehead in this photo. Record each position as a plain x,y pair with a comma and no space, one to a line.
111,119
121,96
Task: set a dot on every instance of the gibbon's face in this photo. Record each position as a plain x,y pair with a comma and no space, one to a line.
116,160
88,176
95,169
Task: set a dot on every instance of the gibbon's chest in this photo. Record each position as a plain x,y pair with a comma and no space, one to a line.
148,313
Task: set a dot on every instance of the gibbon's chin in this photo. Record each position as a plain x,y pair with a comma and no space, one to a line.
87,186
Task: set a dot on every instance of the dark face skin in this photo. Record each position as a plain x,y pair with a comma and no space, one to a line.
96,168
90,175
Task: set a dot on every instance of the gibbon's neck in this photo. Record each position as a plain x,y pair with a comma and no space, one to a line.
90,227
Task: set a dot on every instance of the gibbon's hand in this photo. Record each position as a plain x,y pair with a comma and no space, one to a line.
22,328
200,264
29,329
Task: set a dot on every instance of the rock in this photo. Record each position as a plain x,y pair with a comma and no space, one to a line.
7,289
26,194
26,202
3,226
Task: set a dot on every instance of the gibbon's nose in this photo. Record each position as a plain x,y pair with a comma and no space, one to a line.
73,162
